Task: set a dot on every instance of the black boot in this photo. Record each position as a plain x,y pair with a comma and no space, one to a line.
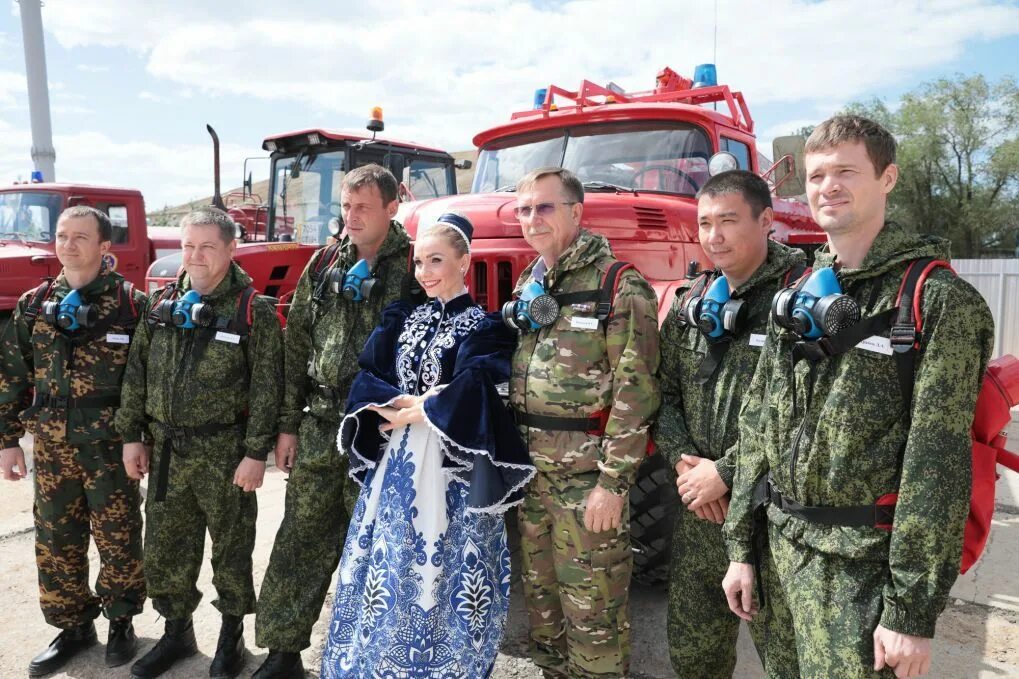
280,665
69,643
229,658
122,644
178,642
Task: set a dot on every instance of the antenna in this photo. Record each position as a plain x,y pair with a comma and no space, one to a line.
714,47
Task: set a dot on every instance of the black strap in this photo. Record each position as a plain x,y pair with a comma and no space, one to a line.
35,304
174,441
603,296
594,424
858,516
795,273
69,403
328,258
240,324
827,347
712,359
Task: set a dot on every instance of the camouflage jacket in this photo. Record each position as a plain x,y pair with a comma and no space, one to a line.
851,434
703,419
41,358
192,377
325,336
565,370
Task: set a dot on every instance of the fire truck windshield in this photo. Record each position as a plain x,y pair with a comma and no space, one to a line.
653,156
305,200
29,215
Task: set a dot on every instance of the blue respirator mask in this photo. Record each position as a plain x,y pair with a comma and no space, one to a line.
356,284
816,307
187,312
533,310
70,313
716,312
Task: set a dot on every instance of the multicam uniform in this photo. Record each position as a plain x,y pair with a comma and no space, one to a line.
209,399
576,582
323,340
79,472
851,439
702,419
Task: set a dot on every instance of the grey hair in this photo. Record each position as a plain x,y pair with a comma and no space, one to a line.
211,216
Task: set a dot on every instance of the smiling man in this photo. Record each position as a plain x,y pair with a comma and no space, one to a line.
72,355
584,391
327,327
705,368
203,383
832,427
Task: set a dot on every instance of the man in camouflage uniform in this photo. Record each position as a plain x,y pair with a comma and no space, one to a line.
584,391
325,334
835,434
80,484
209,397
703,376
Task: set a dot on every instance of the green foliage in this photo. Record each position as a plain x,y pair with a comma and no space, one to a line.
958,161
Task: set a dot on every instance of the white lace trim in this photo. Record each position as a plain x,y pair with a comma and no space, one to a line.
362,463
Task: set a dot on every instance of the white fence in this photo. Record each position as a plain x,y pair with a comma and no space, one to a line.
998,281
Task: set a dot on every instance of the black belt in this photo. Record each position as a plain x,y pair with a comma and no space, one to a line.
69,403
858,516
592,425
174,440
765,493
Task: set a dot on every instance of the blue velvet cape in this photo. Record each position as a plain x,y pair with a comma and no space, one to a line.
461,353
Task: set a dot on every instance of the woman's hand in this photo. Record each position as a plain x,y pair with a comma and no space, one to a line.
398,417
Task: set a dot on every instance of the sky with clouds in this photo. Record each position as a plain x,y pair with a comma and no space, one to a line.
133,83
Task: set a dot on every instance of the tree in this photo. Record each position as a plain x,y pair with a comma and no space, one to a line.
958,160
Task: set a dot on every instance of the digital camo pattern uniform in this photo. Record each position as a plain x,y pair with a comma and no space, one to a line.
323,340
185,379
80,480
857,434
703,420
576,582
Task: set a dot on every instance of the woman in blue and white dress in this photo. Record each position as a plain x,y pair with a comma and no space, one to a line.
424,581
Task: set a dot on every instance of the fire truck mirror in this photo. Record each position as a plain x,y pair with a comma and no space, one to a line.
790,172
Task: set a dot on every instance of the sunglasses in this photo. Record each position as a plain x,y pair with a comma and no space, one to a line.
541,209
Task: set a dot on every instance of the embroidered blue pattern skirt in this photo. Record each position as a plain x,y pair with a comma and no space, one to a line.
423,587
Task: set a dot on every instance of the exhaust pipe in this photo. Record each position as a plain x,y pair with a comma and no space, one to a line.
217,198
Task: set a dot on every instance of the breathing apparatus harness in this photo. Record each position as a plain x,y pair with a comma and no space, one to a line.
816,306
709,306
536,309
191,311
78,321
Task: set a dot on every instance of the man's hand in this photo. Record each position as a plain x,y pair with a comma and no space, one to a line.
249,474
682,467
700,485
286,452
136,460
11,458
738,584
715,512
909,656
603,511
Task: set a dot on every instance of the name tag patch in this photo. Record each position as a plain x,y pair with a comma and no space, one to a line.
877,344
228,337
114,338
584,322
756,340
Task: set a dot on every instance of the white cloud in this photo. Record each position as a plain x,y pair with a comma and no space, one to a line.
166,174
90,68
446,70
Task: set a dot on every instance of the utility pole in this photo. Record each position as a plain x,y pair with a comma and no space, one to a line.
43,154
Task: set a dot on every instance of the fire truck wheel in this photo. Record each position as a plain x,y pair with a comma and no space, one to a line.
653,506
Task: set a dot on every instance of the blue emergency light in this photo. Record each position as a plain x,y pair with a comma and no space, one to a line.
37,176
704,75
539,97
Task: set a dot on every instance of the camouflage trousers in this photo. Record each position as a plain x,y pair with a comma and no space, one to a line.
702,629
82,490
320,499
835,604
200,495
576,583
